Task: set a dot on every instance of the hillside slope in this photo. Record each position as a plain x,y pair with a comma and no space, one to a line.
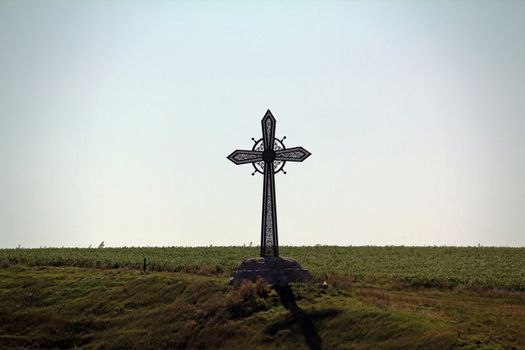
66,307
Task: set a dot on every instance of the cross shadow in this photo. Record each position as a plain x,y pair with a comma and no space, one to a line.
305,320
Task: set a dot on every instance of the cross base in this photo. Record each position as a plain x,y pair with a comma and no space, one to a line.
278,271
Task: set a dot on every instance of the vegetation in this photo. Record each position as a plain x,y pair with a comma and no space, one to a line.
360,298
67,307
473,267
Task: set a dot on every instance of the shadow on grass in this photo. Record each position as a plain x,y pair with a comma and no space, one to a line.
305,320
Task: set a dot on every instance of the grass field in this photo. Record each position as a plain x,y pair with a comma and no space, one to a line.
375,298
482,267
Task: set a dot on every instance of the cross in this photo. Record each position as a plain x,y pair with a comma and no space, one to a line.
268,156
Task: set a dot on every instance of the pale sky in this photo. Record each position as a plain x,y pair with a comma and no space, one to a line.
116,119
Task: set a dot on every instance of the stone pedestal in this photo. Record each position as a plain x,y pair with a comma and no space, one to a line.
274,270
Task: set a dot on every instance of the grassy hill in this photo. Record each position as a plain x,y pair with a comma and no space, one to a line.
46,304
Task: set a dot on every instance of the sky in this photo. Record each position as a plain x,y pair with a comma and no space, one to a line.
116,118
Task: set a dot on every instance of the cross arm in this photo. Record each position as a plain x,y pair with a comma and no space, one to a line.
294,154
244,156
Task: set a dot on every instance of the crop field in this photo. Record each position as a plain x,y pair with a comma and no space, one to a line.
475,267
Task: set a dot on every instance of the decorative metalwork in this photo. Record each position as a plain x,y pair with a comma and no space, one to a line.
268,157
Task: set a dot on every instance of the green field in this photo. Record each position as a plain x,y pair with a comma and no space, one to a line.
482,267
374,298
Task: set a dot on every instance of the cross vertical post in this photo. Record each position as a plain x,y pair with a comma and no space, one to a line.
269,239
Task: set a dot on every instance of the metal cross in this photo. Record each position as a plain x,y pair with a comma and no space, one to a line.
268,156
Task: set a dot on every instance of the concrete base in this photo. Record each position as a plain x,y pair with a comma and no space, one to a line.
274,270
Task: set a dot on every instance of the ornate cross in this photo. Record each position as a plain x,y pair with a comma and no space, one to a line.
268,156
